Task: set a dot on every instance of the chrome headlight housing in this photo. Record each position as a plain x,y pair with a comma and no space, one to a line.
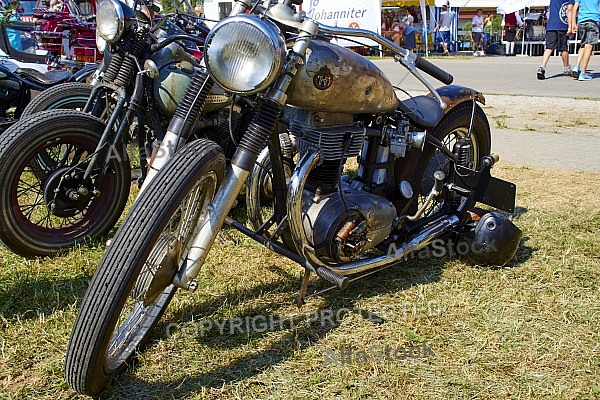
244,54
110,20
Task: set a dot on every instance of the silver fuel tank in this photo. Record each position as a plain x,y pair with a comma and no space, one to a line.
335,79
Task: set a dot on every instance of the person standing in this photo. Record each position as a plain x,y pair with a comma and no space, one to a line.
443,26
477,33
511,22
588,20
408,19
560,21
488,27
409,35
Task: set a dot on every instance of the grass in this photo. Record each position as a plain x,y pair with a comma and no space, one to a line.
501,121
531,330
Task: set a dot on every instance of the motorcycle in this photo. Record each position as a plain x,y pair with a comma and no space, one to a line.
66,174
423,163
17,83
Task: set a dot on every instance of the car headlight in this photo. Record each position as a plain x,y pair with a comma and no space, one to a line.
110,20
244,54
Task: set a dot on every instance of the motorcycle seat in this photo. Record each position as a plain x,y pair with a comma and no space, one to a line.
423,111
47,78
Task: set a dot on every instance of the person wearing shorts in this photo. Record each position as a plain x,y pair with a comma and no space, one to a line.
560,21
477,33
588,19
443,27
409,35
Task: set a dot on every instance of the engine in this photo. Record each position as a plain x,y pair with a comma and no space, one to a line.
340,222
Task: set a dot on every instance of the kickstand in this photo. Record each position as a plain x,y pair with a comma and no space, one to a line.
303,288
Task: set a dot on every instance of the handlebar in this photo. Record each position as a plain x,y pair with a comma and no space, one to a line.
409,59
433,70
195,39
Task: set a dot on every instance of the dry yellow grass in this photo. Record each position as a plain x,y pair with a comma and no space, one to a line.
531,330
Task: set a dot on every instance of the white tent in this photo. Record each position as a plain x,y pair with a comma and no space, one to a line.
510,6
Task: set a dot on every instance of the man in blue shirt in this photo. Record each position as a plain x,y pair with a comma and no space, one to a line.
560,21
588,28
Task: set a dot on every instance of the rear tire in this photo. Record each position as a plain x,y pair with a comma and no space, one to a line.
453,126
132,285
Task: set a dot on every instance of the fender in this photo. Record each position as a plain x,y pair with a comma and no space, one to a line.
454,95
84,73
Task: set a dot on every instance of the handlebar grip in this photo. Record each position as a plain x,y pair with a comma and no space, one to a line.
433,70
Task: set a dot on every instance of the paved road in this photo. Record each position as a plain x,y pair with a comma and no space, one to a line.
516,76
504,75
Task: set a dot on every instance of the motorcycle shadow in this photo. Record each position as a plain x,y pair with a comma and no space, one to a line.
268,315
31,296
302,327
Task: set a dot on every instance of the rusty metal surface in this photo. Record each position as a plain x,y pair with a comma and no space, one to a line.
335,79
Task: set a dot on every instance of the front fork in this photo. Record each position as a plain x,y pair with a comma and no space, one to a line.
263,126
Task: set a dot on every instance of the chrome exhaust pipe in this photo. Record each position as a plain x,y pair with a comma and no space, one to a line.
441,226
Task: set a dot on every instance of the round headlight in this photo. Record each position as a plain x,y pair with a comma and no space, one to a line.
244,54
100,43
110,20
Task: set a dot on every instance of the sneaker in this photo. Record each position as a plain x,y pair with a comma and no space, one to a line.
567,71
575,72
541,73
584,76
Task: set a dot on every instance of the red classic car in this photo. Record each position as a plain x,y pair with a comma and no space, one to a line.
67,30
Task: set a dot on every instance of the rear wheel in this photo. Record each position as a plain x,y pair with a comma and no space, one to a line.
132,285
47,207
453,127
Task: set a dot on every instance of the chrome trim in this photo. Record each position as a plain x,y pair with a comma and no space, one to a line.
169,145
218,39
253,190
216,213
307,162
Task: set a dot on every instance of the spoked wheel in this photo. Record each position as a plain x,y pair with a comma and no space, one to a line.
48,207
453,127
132,285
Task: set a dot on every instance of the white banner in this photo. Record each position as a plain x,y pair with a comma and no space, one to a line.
358,14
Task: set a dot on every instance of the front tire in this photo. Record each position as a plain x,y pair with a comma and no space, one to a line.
42,212
132,285
71,96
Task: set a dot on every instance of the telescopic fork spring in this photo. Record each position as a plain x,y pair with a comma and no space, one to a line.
129,68
264,123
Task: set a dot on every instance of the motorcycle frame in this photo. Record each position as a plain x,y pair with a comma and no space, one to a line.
243,161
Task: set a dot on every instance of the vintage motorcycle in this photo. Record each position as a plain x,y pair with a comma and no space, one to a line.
423,163
17,83
66,174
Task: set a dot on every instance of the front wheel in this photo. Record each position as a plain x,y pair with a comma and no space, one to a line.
46,205
70,96
132,285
